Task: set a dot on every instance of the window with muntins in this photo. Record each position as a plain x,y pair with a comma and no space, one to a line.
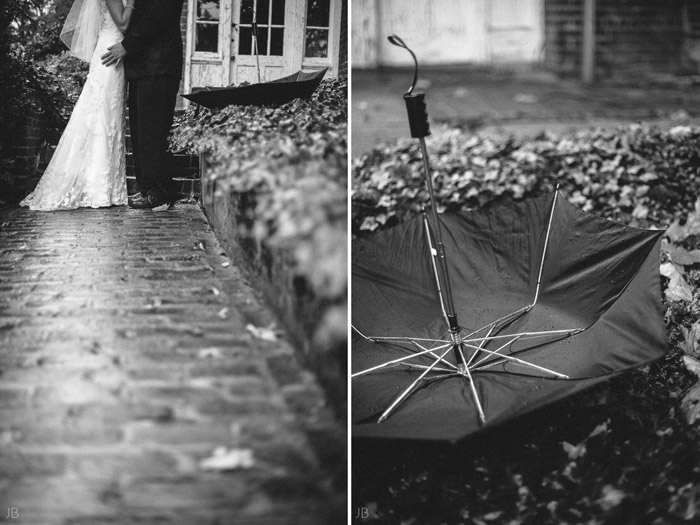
316,35
206,23
269,16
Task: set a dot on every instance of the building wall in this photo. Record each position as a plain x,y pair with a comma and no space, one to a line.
343,47
447,31
183,32
632,36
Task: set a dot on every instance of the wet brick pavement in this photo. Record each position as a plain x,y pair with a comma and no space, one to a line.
125,361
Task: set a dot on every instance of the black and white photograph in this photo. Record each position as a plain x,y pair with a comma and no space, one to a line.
309,262
173,261
524,262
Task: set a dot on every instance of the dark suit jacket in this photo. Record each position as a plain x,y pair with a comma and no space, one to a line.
153,42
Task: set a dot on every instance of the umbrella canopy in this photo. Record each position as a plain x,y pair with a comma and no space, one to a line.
550,300
274,92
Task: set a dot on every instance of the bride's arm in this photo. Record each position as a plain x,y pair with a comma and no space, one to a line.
120,13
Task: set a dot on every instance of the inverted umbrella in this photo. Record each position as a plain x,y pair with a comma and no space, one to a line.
465,320
271,93
274,92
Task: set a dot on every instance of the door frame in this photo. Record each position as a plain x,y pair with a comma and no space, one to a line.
224,58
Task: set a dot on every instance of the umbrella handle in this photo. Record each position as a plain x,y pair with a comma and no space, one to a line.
255,37
418,121
400,43
415,102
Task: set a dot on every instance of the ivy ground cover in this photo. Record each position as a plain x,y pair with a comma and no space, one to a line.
291,164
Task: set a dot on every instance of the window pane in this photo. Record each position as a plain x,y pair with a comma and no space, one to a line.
278,12
207,38
316,43
245,41
318,13
246,11
263,11
208,9
262,40
277,41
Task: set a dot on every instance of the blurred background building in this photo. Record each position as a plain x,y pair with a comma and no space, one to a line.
590,39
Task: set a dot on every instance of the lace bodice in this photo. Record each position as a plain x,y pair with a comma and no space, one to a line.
107,25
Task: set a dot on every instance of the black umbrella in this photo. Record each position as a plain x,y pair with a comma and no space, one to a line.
274,92
470,319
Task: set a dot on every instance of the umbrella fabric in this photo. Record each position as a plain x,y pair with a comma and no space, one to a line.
274,92
599,294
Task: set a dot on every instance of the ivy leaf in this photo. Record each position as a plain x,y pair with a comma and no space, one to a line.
684,257
677,232
691,338
690,405
678,289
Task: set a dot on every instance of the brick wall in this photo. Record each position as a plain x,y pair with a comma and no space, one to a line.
28,151
343,47
632,37
183,32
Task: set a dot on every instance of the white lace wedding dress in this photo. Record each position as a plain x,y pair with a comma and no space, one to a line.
88,169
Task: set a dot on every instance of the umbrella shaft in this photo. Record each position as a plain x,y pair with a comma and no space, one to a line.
255,43
439,245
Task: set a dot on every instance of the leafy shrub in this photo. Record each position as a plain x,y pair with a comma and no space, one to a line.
25,84
40,33
637,175
68,72
292,160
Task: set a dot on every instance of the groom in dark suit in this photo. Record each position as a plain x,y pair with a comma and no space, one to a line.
152,54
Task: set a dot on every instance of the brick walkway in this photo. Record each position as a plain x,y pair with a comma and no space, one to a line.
125,361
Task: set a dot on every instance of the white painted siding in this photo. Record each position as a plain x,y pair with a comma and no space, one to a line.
447,31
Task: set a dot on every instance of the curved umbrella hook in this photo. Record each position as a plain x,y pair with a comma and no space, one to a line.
400,43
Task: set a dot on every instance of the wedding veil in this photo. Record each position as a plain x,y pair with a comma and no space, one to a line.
82,28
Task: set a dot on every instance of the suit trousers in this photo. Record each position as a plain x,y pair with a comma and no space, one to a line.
151,111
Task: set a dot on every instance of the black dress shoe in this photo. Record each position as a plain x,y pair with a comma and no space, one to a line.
136,197
152,202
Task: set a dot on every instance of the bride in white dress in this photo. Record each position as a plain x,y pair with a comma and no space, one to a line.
88,168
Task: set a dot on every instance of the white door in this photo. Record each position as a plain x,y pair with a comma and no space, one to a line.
278,31
292,34
209,33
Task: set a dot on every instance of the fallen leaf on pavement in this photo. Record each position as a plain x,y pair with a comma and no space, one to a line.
574,451
266,333
209,353
611,498
224,459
